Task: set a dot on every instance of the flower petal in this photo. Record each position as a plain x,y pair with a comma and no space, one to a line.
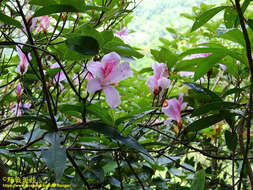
173,109
119,73
163,82
151,83
96,69
112,96
94,85
168,121
110,59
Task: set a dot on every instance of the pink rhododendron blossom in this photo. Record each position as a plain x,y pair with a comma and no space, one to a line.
31,22
23,65
19,91
105,73
159,81
44,24
173,109
18,108
60,76
123,34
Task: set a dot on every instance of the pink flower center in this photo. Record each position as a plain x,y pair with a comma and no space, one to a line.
108,69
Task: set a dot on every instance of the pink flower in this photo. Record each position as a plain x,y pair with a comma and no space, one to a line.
223,67
31,22
19,91
44,24
123,34
173,109
23,65
18,108
159,81
108,72
60,76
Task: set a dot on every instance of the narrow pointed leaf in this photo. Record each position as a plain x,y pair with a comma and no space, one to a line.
206,16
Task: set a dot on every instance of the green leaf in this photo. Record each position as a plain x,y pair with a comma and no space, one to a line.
79,4
234,35
233,91
230,15
112,133
121,48
100,113
56,8
198,182
243,9
110,167
231,140
206,16
203,90
213,106
88,30
28,118
83,44
164,56
42,3
10,21
70,108
52,72
204,122
55,157
207,64
146,70
250,23
137,117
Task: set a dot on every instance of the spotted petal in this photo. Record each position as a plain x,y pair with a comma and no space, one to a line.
94,85
112,96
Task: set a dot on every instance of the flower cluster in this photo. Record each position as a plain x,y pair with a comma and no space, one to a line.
172,108
159,81
24,61
106,73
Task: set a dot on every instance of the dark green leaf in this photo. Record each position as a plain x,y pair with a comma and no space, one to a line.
231,140
207,64
112,133
213,106
88,30
204,122
203,90
137,117
53,72
100,113
83,44
121,48
233,91
10,21
56,8
28,118
206,16
42,3
70,108
198,182
55,157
